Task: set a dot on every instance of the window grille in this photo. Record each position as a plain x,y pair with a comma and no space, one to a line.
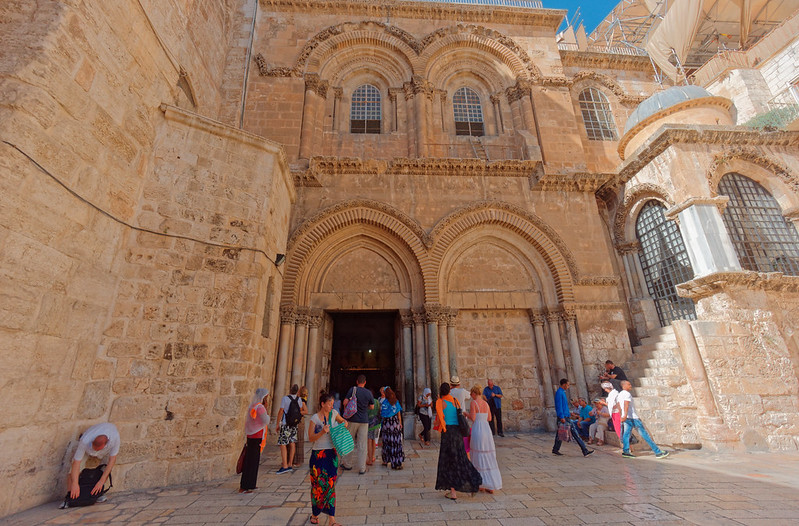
665,263
598,119
365,112
468,113
763,239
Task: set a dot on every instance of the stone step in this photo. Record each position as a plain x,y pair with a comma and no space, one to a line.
666,380
655,347
643,372
654,361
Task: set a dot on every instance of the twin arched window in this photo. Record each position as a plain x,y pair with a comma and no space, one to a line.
763,239
598,118
665,263
365,112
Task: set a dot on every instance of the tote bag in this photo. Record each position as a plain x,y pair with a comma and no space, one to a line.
352,405
341,438
564,432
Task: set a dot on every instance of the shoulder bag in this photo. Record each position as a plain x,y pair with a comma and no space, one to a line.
341,437
352,405
463,424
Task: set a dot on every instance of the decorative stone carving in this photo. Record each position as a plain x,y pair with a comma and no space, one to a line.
315,318
773,165
632,196
495,99
538,317
572,182
315,84
554,316
449,167
598,281
518,90
633,247
288,314
419,84
432,312
452,317
265,71
418,316
610,83
406,318
711,284
720,202
302,316
338,92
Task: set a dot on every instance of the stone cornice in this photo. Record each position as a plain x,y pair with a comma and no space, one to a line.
594,60
721,102
602,305
720,282
597,281
720,202
548,18
610,83
573,182
671,134
333,166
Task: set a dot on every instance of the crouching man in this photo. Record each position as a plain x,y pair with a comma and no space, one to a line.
100,441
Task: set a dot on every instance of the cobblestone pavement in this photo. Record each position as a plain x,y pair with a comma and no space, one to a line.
689,487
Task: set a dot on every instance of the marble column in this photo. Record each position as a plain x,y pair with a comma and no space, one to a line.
538,319
300,346
406,320
431,313
557,347
443,346
315,93
420,363
452,343
287,319
314,351
495,104
420,89
706,239
570,317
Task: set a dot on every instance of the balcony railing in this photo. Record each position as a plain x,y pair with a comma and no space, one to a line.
597,48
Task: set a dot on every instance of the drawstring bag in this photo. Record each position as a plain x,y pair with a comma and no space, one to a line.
341,437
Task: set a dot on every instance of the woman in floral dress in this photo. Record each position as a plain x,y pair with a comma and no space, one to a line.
324,460
391,411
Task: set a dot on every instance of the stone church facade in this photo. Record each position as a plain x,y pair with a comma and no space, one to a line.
216,196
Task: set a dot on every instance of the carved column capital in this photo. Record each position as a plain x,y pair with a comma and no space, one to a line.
418,85
431,312
315,318
452,317
629,248
537,317
569,314
418,317
338,92
494,98
302,316
288,314
555,316
406,318
315,84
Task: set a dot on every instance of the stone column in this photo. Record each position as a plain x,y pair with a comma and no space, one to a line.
452,343
287,318
570,318
422,92
537,319
495,105
431,312
315,92
406,319
443,346
420,362
557,347
300,346
706,240
314,351
337,94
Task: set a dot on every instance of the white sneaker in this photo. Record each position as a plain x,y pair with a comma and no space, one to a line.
102,498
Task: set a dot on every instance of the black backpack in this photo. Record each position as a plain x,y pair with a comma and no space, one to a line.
294,414
87,479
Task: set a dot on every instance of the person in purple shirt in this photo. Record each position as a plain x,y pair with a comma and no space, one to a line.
562,412
493,396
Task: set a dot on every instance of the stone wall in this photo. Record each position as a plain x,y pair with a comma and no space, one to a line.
100,320
498,344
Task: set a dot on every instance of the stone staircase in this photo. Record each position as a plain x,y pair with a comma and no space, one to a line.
663,398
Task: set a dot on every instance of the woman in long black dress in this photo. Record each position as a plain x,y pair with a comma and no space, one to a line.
455,472
255,429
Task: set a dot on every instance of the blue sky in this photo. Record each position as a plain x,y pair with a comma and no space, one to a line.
591,12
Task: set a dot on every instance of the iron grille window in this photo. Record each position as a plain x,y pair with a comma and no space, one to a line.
763,239
365,110
598,119
665,263
468,113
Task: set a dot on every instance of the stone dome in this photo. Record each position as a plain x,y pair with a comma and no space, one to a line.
662,100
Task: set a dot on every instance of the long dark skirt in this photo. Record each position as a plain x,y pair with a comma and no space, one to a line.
392,441
324,470
454,468
252,457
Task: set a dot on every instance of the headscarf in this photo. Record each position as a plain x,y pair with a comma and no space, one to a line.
426,392
255,421
387,410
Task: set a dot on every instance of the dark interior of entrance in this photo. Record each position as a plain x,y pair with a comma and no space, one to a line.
363,343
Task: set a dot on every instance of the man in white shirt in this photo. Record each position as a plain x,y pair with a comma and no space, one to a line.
613,407
100,441
630,420
458,393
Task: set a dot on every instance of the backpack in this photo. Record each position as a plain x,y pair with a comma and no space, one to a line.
294,414
87,479
352,405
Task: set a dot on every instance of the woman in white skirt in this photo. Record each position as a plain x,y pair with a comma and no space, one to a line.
484,454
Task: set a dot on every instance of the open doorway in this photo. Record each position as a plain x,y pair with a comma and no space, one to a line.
363,343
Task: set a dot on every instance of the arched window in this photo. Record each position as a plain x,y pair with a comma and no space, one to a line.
597,117
365,110
665,263
468,113
763,239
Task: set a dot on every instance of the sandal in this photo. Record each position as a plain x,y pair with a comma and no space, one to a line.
450,497
314,520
